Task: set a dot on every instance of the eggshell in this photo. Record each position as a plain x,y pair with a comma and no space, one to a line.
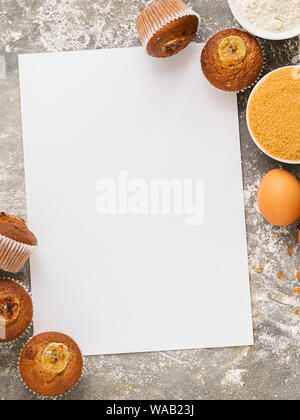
279,198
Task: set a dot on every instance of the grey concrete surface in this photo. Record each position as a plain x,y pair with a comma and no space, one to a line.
270,369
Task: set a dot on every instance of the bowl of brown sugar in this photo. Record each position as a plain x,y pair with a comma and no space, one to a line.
273,114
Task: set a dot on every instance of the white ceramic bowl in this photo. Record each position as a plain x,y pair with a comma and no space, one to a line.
248,122
274,36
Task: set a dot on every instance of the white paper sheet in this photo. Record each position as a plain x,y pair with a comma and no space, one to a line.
133,283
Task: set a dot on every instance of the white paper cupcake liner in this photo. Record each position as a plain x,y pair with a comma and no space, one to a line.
151,22
13,254
43,397
8,344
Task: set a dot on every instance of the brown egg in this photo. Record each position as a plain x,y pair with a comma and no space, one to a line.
279,198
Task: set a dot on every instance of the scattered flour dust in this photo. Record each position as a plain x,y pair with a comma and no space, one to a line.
234,377
271,15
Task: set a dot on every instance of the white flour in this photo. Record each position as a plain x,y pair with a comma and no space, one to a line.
271,15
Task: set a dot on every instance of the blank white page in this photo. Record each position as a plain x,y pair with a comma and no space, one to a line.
103,131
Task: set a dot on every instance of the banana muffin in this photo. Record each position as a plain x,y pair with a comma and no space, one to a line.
232,60
17,243
166,27
16,310
51,364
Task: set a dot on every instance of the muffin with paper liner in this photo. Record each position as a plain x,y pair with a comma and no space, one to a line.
17,243
166,27
16,310
51,364
232,60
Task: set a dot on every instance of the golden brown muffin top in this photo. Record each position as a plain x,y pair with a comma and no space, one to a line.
15,228
16,310
173,37
51,364
232,60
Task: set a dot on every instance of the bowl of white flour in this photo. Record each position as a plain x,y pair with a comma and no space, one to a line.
269,19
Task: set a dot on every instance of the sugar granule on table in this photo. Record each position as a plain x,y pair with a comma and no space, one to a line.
274,115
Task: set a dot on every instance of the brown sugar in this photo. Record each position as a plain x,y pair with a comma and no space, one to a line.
274,114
